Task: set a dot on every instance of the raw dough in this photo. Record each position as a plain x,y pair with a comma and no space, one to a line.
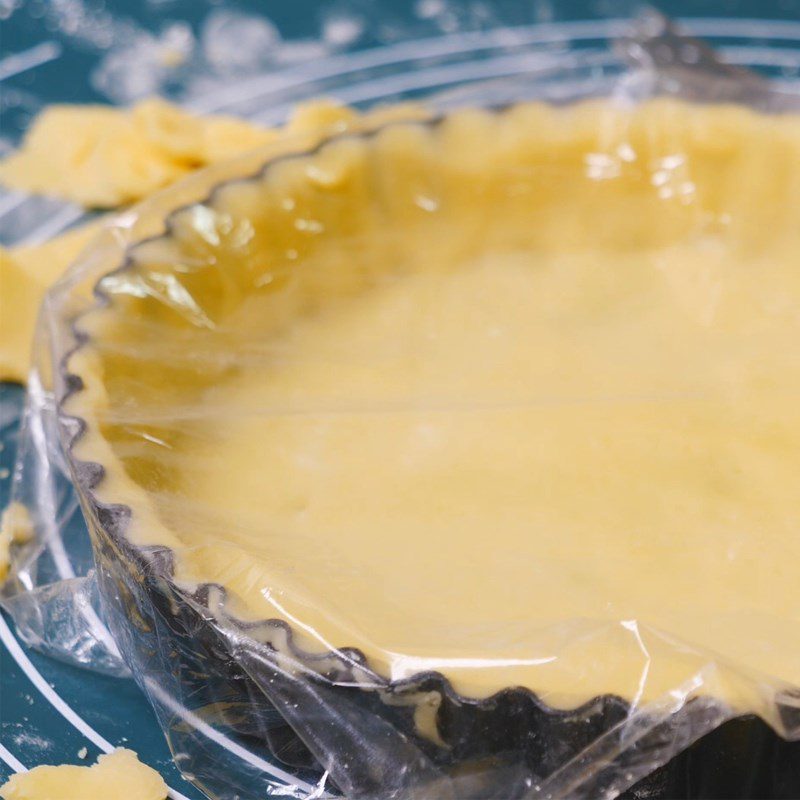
15,528
116,776
103,157
514,398
25,275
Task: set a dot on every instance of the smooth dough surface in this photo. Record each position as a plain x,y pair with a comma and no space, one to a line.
116,776
516,400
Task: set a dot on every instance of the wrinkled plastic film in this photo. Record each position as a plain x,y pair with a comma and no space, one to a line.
199,341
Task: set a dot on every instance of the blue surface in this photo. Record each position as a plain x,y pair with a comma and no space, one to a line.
67,79
35,731
32,729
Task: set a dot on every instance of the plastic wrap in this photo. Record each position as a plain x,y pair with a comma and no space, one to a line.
267,669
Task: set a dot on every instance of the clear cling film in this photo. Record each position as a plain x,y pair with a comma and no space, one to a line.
455,456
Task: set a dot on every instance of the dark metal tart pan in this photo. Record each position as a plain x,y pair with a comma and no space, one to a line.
360,727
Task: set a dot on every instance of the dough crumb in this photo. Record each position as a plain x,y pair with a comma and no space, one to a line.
15,527
118,775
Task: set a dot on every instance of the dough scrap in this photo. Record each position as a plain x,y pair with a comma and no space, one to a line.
25,275
104,157
119,775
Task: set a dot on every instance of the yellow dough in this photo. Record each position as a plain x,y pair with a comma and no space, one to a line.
25,275
15,528
103,157
513,397
116,776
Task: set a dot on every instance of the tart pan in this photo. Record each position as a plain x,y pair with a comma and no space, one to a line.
333,712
